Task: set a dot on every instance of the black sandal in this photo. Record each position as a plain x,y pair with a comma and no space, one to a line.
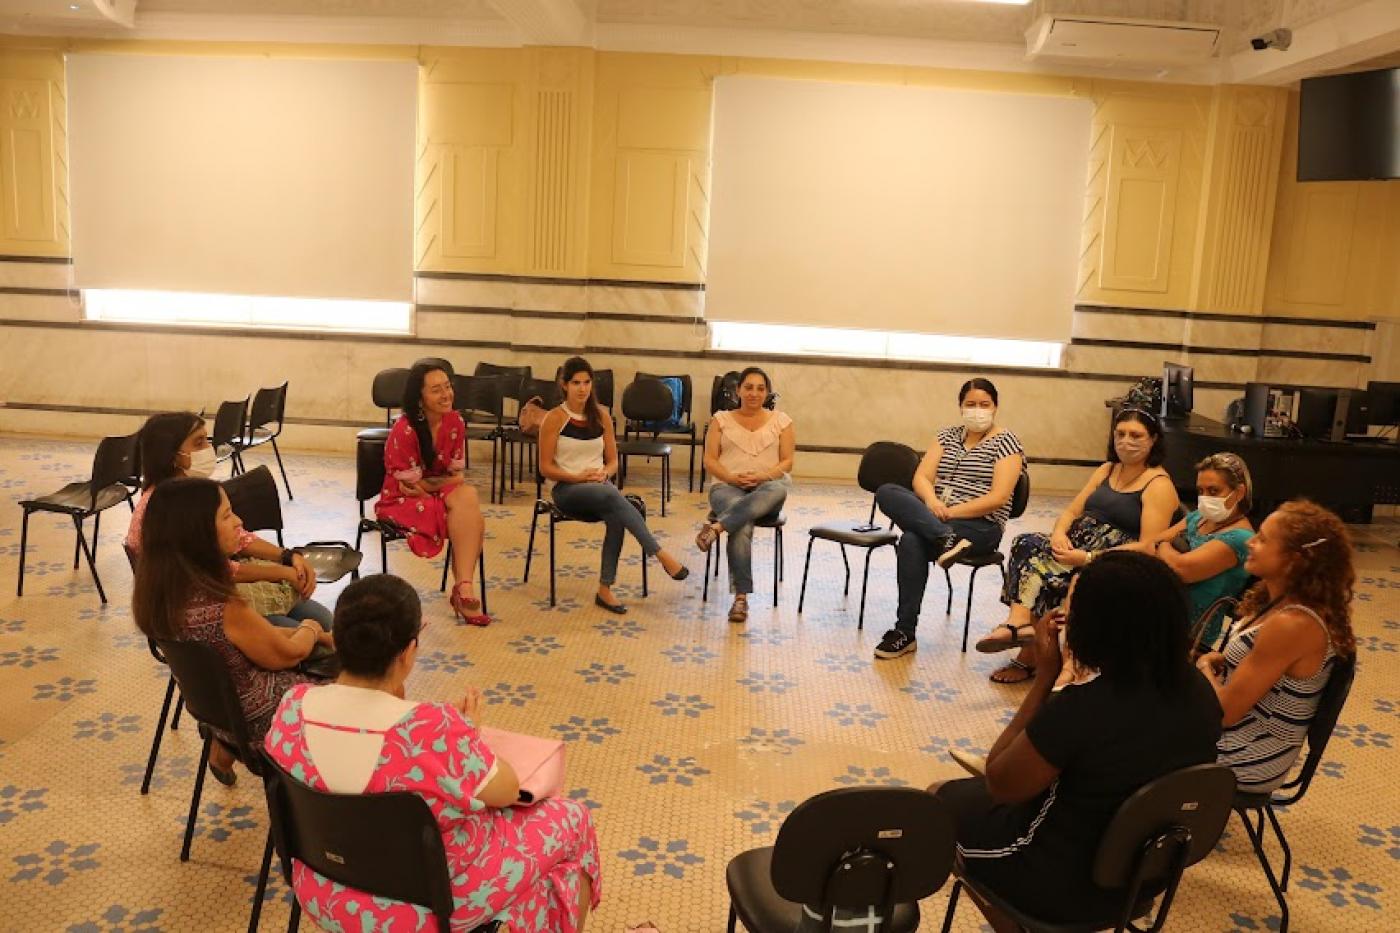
993,645
1028,670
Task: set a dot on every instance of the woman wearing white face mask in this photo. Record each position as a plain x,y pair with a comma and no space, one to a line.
175,444
1129,498
959,504
1217,536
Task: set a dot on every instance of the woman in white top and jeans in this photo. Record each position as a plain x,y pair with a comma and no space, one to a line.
578,451
749,453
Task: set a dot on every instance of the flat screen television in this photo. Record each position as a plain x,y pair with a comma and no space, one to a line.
1177,390
1349,127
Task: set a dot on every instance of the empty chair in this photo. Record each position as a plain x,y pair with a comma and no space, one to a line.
253,497
265,425
882,462
857,853
646,400
480,400
526,445
513,378
679,426
91,497
227,435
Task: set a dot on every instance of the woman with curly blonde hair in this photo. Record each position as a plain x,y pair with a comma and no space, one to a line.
1271,675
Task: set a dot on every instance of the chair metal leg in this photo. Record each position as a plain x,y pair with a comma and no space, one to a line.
846,590
1256,839
179,708
705,587
967,619
447,562
92,564
777,563
294,921
690,479
733,919
1283,844
96,532
645,592
194,798
551,560
481,572
952,905
782,557
263,871
530,548
948,578
283,470
77,553
806,565
864,585
383,553
155,740
23,546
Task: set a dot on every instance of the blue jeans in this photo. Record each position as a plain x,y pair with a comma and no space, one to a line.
921,544
306,609
737,509
604,503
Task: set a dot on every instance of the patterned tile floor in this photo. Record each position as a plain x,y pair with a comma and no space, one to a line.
691,738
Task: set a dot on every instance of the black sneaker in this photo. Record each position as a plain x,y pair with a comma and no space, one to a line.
953,548
894,644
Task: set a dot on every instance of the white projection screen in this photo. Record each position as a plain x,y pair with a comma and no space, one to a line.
897,208
244,176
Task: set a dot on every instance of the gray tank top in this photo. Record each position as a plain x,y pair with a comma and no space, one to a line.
1122,510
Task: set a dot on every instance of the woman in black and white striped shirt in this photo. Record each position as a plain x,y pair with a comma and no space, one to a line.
1270,678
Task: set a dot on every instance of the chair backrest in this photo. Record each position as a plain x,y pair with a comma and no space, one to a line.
369,467
602,385
112,463
209,695
269,407
1021,495
687,393
386,845
228,422
856,847
387,388
253,498
512,378
549,392
887,462
1329,709
481,398
648,400
436,362
1167,825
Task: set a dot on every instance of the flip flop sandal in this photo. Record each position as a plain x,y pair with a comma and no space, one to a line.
994,645
1013,665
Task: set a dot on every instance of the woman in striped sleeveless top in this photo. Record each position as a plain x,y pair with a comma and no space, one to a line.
1271,675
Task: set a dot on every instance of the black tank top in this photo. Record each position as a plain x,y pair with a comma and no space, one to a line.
1122,510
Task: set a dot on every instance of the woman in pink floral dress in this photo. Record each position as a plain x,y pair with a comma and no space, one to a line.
535,868
428,495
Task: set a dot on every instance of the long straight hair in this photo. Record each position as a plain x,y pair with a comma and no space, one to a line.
592,411
413,410
180,556
160,440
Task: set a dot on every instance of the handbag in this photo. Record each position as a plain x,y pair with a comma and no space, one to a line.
531,416
538,763
268,597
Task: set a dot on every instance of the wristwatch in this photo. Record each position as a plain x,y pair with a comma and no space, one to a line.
287,557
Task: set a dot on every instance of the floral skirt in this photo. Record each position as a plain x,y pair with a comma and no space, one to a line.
1036,580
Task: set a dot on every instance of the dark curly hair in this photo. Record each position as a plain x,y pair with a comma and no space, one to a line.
413,408
1129,619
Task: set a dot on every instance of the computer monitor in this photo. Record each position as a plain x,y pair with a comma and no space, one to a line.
1358,413
1316,409
1385,402
1177,390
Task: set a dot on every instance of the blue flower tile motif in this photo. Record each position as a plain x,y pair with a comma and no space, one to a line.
42,568
219,823
758,682
688,705
1374,643
617,626
15,801
1361,735
444,662
27,656
175,770
581,794
650,856
689,654
763,817
584,544
542,645
847,714
1339,888
1388,839
771,637
581,729
504,584
600,673
931,690
276,890
781,741
70,590
55,862
511,694
565,605
857,776
65,689
121,919
662,769
1005,716
11,626
1332,769
129,640
1243,922
843,663
1387,706
107,726
941,745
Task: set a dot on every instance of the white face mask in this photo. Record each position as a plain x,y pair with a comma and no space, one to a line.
1213,508
202,463
978,420
1132,451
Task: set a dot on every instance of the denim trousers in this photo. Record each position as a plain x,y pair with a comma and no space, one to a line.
737,509
303,610
605,503
922,542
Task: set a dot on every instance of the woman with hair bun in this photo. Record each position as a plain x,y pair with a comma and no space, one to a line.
534,868
1270,677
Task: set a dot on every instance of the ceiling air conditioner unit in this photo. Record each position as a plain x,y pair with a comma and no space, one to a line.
1113,41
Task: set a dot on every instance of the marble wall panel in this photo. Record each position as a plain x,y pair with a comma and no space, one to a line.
1317,339
36,275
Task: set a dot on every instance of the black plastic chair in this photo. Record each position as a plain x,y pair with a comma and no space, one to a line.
480,400
602,385
513,378
226,437
852,849
647,400
558,516
265,425
1329,708
882,462
387,393
777,523
385,845
170,694
1164,828
369,480
684,433
1020,497
253,497
436,362
93,496
209,695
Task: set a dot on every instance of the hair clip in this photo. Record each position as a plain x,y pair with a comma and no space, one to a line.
1313,544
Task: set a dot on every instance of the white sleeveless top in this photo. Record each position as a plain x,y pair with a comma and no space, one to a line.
579,448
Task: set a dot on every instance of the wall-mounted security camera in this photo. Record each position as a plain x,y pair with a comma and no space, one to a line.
1279,39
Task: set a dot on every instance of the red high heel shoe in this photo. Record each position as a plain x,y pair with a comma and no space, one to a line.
464,605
